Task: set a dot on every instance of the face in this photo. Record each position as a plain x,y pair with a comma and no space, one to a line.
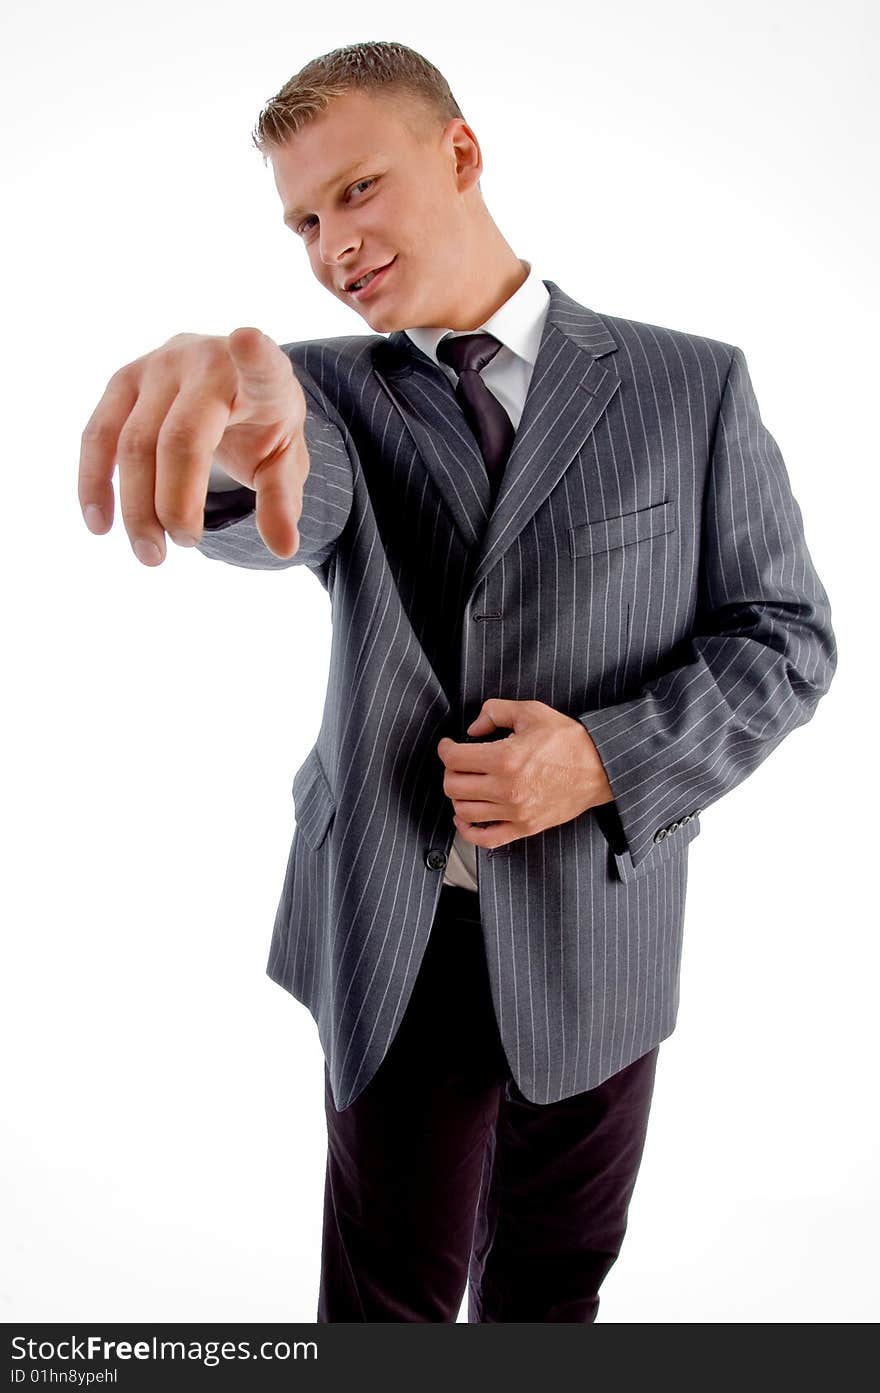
362,188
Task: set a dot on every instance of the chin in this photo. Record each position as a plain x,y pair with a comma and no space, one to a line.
380,320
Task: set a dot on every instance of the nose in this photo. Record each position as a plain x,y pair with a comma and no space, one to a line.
336,246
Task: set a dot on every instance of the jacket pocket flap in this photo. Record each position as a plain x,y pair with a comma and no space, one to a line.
661,851
607,533
313,801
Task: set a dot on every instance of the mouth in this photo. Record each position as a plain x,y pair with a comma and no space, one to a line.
374,279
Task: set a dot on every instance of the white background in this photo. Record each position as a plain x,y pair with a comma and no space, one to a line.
707,167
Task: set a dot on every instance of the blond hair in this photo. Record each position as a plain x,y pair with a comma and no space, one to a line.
420,91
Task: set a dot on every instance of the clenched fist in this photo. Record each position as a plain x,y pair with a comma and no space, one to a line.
166,416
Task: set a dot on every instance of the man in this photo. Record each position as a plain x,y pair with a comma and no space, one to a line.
566,529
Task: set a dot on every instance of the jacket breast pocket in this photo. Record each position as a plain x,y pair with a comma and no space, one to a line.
606,534
313,801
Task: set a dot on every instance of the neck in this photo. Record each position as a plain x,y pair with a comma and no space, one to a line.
489,284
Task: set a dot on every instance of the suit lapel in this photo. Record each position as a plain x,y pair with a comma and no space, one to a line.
568,393
425,398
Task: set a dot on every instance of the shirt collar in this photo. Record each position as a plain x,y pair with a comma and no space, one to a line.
518,323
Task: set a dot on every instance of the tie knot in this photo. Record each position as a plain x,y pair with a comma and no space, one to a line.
465,352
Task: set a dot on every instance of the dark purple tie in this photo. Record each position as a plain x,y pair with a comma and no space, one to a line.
467,354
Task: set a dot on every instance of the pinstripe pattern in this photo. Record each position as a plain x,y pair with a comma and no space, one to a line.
644,570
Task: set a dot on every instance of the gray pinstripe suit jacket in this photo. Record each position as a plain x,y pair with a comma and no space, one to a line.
644,570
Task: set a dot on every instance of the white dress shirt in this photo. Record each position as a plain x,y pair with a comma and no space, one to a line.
519,325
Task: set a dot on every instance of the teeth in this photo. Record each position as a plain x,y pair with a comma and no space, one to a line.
368,277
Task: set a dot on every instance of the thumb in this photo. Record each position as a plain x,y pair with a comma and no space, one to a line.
497,713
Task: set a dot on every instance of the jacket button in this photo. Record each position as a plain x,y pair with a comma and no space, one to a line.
674,827
435,859
658,836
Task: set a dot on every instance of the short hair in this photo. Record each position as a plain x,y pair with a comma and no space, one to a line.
389,69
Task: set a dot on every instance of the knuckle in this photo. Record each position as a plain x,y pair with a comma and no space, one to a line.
97,431
213,353
135,441
179,436
120,378
190,365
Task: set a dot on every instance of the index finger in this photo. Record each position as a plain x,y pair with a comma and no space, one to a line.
472,756
278,482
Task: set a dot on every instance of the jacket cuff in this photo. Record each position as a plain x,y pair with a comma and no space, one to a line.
642,829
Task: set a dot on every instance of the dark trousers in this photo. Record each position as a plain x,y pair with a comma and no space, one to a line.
441,1177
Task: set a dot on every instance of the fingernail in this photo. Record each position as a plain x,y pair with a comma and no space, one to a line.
183,539
147,552
94,517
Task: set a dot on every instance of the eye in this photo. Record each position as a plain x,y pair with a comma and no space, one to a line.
311,217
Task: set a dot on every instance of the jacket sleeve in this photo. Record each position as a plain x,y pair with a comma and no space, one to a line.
761,655
229,528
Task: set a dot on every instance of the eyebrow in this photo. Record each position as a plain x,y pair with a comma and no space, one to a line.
294,214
